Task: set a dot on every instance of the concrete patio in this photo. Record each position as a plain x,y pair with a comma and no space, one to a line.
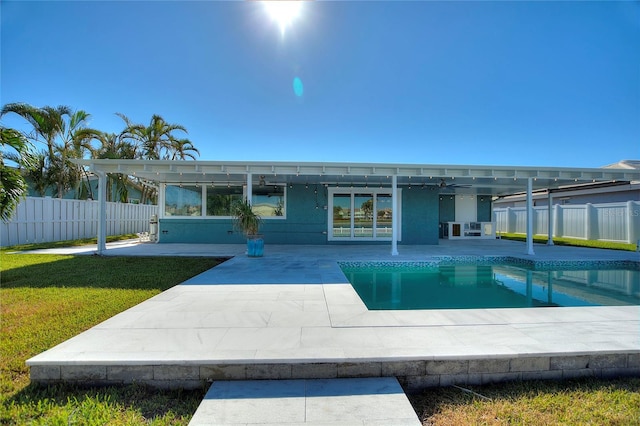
293,315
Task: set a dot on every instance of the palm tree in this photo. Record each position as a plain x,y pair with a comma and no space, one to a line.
37,174
112,146
56,127
14,186
183,148
156,140
74,145
47,122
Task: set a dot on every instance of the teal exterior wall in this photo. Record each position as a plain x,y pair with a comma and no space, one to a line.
306,224
447,209
420,216
484,208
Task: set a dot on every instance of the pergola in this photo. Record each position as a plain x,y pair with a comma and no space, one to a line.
449,179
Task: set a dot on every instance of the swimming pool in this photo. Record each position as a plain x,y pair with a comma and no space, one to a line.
477,285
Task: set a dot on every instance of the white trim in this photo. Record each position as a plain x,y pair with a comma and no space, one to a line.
362,190
248,189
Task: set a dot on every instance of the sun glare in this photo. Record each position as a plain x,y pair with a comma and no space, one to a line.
283,12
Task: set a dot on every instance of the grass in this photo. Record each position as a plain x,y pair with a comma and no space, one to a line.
563,241
68,243
47,299
576,402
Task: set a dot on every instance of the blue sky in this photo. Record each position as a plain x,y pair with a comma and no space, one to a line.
478,83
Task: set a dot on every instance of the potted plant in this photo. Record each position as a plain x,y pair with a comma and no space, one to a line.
248,222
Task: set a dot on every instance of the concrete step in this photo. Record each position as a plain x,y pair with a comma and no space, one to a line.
373,401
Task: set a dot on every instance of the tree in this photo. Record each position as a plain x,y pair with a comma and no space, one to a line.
37,173
157,140
75,145
14,186
183,148
367,209
112,146
66,137
47,122
56,127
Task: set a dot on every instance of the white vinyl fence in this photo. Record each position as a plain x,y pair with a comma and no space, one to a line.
606,222
38,220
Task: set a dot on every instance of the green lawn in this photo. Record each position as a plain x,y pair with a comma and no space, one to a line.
574,402
563,241
46,299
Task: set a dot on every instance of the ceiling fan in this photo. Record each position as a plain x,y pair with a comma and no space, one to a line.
443,185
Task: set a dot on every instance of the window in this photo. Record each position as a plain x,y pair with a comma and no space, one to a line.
360,214
341,223
183,201
220,200
363,215
269,201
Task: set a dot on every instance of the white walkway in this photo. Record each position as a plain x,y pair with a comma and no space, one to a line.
321,402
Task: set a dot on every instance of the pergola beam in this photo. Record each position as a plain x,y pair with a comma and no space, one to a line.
494,180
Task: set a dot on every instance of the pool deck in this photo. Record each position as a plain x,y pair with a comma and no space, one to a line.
293,315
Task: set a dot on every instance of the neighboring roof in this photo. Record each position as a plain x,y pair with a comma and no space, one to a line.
494,180
624,164
610,187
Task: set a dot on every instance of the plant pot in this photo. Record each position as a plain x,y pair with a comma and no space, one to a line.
255,246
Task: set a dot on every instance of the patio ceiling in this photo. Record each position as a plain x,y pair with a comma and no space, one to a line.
486,180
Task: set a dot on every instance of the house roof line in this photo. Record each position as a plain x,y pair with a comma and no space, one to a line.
486,179
439,170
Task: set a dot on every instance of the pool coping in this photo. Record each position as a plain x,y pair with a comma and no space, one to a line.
509,261
534,264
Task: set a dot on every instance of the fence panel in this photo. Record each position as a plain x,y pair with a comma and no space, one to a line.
39,220
520,221
611,222
573,221
606,222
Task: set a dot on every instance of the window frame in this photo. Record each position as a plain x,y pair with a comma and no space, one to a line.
203,201
352,192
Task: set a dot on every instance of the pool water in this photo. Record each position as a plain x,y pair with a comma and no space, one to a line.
474,286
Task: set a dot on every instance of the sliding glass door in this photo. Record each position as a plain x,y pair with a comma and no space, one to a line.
360,214
363,215
341,219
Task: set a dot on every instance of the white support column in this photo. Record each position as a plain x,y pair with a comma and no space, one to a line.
530,217
249,187
394,215
162,193
162,190
549,218
102,212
